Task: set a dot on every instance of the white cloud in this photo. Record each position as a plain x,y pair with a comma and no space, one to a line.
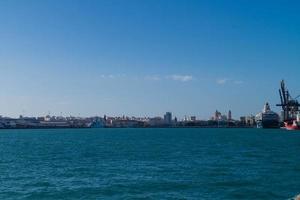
174,77
112,76
182,78
222,81
153,78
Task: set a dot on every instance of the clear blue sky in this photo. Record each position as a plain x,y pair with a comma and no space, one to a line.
145,57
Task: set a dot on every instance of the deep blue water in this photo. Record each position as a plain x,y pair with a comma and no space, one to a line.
149,164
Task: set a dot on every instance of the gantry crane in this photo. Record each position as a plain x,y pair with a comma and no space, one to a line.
290,106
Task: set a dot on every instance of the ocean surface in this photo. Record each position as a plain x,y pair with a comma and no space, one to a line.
195,164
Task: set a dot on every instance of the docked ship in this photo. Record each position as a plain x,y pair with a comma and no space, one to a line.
293,125
267,118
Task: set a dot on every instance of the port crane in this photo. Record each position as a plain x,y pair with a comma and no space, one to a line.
290,106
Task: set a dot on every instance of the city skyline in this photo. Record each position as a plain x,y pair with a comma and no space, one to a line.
144,58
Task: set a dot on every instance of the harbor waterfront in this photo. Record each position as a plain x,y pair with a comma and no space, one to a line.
167,121
149,164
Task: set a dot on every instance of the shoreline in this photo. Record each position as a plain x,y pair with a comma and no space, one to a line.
187,127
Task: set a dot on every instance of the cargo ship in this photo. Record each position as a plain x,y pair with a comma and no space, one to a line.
267,118
293,125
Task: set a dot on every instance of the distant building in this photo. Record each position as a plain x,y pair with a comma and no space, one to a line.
247,120
175,120
243,120
193,118
98,123
156,122
250,120
223,118
185,118
127,123
168,118
229,117
217,115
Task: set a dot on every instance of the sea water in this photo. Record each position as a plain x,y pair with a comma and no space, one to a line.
149,164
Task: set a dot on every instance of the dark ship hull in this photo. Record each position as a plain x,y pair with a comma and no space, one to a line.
270,124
